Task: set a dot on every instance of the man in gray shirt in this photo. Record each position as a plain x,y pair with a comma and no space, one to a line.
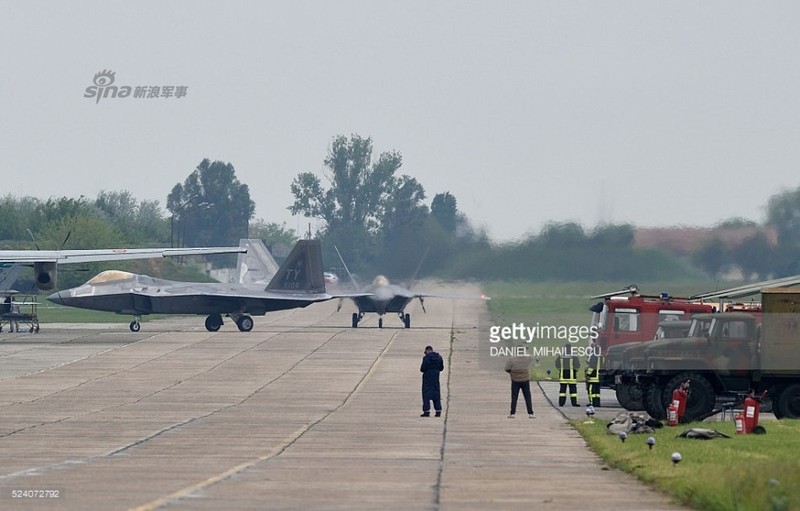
519,368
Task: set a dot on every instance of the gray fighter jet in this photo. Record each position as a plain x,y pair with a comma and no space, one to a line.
382,297
297,283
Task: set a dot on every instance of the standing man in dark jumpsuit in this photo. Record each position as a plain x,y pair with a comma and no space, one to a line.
432,365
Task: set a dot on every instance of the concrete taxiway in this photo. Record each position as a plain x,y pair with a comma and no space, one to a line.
303,412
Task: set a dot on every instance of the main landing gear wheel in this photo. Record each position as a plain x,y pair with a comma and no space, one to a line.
213,322
245,323
380,322
135,326
407,320
355,320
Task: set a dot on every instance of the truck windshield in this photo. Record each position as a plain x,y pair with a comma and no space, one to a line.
626,320
700,328
600,319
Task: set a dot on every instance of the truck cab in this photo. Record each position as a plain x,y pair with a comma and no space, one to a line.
635,318
719,355
624,322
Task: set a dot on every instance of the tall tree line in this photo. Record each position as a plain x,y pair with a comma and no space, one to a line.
381,219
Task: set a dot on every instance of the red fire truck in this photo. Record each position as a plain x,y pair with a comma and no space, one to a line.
624,323
626,318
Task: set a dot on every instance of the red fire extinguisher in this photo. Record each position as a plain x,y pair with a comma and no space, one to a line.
672,414
740,423
752,407
677,408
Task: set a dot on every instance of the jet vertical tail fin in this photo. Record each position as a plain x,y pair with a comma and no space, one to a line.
257,266
301,271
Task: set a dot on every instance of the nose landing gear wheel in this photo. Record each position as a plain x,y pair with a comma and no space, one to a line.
135,326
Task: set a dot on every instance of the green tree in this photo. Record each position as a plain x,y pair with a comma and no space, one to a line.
444,208
403,208
737,222
85,231
56,220
562,235
783,212
712,257
273,233
17,215
140,223
211,207
82,231
355,203
153,226
55,210
612,236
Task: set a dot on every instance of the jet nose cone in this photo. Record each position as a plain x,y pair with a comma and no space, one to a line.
56,298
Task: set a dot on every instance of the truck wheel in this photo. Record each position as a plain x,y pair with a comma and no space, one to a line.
788,405
701,395
651,400
629,396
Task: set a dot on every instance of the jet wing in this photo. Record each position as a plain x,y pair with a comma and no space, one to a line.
452,297
352,295
90,256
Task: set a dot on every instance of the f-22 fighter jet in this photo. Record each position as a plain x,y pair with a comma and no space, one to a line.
382,297
297,283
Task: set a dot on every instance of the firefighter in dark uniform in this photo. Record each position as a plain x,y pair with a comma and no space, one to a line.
568,365
593,375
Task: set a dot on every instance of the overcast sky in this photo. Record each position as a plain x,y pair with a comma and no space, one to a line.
653,113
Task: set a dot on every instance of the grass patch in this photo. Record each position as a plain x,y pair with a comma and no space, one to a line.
746,472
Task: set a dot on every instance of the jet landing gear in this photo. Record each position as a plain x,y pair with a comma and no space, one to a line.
213,322
405,318
358,316
243,322
135,326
